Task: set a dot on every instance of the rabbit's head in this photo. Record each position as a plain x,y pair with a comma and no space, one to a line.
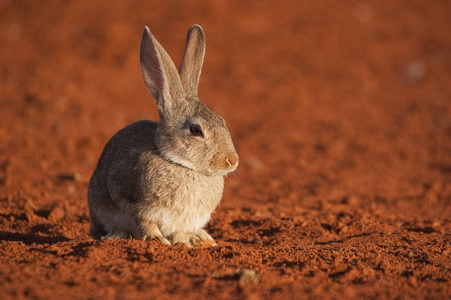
189,133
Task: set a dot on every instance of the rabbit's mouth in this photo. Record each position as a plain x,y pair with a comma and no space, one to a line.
224,164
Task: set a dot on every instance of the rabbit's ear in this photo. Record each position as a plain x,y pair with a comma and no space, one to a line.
160,74
193,59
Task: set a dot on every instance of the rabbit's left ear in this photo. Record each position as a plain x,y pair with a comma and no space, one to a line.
160,75
193,60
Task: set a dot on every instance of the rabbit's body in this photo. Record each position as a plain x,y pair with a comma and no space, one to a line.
139,182
163,179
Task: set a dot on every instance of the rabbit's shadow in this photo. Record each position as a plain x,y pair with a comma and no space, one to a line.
31,238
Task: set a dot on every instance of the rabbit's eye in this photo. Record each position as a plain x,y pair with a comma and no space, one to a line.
196,130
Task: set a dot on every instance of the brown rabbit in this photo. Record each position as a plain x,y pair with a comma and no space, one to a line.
162,180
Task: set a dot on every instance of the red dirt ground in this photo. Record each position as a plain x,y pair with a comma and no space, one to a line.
340,112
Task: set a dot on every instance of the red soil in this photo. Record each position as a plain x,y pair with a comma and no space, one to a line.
340,112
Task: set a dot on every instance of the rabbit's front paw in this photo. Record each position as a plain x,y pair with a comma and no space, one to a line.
153,233
160,238
205,238
198,239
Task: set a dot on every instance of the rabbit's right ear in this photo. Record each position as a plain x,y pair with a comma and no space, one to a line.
193,60
160,74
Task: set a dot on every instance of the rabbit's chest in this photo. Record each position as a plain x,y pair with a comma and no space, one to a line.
184,205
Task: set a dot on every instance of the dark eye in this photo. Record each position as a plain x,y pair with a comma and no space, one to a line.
196,130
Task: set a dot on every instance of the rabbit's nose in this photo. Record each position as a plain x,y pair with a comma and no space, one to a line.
232,159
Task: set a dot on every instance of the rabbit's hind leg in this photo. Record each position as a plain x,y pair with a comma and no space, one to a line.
117,234
99,232
97,229
108,222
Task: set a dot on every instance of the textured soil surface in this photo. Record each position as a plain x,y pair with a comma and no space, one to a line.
340,112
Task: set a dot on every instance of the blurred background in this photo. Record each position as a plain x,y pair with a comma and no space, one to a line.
327,101
340,112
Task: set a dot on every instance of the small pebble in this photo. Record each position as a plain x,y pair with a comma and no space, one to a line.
56,214
248,276
415,71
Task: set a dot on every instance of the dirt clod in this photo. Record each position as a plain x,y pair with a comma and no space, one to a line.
248,276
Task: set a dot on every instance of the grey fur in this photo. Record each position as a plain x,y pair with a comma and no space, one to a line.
158,180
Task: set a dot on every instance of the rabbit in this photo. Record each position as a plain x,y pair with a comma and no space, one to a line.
162,180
